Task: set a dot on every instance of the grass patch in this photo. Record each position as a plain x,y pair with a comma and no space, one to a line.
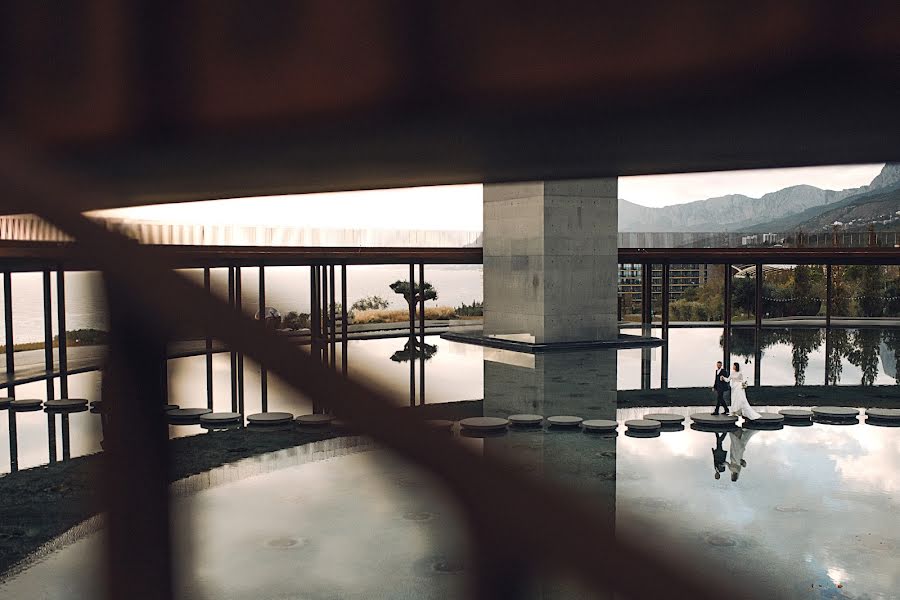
436,313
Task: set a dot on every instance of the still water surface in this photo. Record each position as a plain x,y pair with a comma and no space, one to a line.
808,517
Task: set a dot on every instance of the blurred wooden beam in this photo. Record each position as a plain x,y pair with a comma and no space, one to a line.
209,100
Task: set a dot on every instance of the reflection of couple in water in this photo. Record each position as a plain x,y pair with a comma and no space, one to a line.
737,445
735,384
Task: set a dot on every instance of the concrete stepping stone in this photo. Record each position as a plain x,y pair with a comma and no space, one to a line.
564,421
186,415
711,420
796,414
220,418
315,420
526,420
766,420
484,423
439,424
269,419
600,425
643,425
168,407
665,418
884,414
26,404
65,404
835,412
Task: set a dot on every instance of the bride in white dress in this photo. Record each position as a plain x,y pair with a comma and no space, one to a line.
739,404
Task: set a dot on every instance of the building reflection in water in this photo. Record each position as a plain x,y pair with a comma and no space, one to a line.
579,383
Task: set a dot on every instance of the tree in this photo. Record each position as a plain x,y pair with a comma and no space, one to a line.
871,291
370,303
414,296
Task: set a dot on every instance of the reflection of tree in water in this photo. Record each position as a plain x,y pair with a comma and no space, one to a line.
891,339
864,353
801,341
414,350
840,344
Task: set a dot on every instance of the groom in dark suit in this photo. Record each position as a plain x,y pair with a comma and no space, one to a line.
720,387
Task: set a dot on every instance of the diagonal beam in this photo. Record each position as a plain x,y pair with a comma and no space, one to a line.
500,500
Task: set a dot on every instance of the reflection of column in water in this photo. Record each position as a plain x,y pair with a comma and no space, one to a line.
51,437
13,443
66,446
567,383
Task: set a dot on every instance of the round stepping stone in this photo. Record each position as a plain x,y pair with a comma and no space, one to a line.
643,425
484,423
227,426
315,420
795,413
440,424
26,404
267,419
220,418
665,418
168,407
526,420
766,420
564,421
711,420
187,414
882,422
65,404
835,412
884,414
602,425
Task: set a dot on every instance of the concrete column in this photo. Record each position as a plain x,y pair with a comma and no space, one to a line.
550,260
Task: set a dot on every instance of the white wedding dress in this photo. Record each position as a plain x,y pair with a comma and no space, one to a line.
739,404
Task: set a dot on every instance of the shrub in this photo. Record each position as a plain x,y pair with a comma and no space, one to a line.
370,303
441,313
294,320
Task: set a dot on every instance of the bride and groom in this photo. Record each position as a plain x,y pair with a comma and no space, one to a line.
733,382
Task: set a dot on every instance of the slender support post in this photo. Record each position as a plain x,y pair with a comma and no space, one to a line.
240,355
759,294
48,336
828,365
728,303
344,317
727,321
646,367
51,437
412,335
209,353
829,294
66,439
233,369
646,295
332,309
323,313
263,374
137,460
664,366
314,320
665,300
61,320
422,334
10,352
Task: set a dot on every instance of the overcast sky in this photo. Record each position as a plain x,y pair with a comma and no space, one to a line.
459,207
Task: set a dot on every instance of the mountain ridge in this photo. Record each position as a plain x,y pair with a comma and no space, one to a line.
738,212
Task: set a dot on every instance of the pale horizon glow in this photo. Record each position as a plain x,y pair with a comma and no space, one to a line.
459,207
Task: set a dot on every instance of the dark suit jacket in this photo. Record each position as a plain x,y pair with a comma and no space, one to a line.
719,384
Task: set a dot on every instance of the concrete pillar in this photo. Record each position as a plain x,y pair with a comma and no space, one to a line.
550,260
